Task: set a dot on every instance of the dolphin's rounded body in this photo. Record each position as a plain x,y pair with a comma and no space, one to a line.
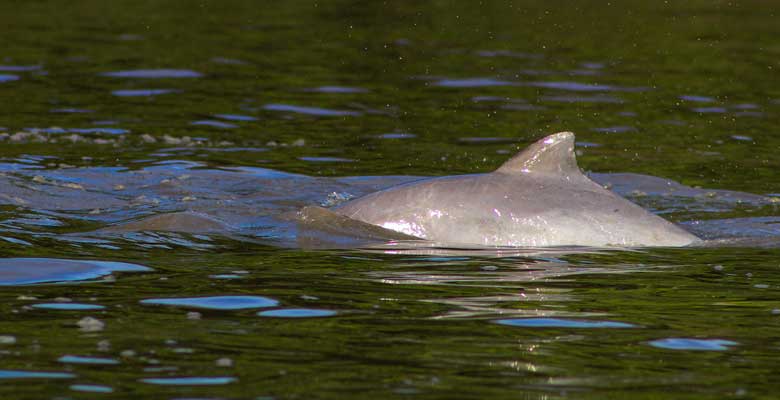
538,198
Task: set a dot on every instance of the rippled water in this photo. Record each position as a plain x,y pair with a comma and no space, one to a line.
151,155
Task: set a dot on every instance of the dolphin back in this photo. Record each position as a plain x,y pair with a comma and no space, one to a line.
538,198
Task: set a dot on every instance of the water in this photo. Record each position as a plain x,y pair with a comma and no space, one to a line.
239,113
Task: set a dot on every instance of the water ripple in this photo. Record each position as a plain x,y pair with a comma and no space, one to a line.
142,92
20,68
297,313
615,129
190,381
697,99
710,110
326,159
216,302
582,99
15,374
235,117
574,86
472,82
693,344
8,78
337,89
320,112
561,323
26,271
68,306
214,124
92,388
69,359
153,73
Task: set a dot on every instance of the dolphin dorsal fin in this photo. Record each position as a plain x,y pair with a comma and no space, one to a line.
552,155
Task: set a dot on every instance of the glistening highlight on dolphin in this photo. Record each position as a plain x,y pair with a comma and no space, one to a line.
538,198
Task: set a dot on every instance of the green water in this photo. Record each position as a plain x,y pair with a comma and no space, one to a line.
690,92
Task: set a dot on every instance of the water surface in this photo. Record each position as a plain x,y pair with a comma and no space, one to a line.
237,114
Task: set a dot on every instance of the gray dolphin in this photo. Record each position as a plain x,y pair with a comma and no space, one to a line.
538,198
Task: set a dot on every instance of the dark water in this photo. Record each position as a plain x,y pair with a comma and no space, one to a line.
242,111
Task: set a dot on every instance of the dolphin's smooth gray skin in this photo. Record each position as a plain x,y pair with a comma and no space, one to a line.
538,198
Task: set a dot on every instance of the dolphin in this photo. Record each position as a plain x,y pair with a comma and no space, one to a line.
539,198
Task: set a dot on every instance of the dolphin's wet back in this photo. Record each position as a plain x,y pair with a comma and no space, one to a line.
110,206
538,198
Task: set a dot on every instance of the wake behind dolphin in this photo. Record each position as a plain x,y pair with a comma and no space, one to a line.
538,198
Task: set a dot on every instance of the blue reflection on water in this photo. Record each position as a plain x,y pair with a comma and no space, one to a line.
693,344
297,313
109,131
87,360
396,136
12,374
472,82
338,89
698,99
561,323
70,110
153,73
217,302
321,112
615,129
68,306
20,68
599,98
215,124
235,117
142,92
325,159
226,276
25,271
92,388
8,78
710,110
191,381
574,86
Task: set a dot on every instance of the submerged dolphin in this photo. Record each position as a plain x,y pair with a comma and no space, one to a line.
538,198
